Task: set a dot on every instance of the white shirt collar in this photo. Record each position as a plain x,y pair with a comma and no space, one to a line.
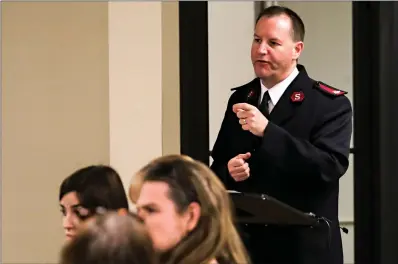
275,92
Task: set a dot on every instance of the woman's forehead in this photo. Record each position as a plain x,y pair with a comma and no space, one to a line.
154,192
70,199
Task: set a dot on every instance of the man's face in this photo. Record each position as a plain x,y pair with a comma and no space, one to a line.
165,225
274,51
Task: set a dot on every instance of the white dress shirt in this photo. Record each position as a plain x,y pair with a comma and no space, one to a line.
277,90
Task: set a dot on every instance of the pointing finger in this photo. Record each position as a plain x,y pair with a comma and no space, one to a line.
242,106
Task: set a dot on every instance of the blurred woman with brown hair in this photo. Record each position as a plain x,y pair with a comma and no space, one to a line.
187,212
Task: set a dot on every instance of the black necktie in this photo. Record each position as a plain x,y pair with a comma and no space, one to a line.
264,104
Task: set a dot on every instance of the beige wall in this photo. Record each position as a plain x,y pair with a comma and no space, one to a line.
82,83
229,55
143,83
135,79
170,79
54,116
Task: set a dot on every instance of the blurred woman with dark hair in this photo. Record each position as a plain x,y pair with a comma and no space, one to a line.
187,212
87,190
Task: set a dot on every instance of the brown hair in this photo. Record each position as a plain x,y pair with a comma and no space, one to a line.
298,28
108,239
215,236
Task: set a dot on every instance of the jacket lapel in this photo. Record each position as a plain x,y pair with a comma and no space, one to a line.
252,92
291,99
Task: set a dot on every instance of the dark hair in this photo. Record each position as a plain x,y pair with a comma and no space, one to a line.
96,186
109,239
297,23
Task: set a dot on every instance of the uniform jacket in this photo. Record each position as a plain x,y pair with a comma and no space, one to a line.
299,160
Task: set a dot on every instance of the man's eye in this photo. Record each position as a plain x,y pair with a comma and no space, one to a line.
150,210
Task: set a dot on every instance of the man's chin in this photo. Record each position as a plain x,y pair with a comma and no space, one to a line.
263,74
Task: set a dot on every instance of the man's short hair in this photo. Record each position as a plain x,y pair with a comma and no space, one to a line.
297,24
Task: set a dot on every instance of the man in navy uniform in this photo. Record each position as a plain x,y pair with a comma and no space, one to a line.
286,135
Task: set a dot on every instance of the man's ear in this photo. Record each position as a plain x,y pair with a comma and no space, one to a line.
298,48
193,214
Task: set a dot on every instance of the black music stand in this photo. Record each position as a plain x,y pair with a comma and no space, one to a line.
264,209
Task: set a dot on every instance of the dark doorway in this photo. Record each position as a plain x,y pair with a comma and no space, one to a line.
375,48
194,80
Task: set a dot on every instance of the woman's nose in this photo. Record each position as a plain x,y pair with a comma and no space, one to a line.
68,222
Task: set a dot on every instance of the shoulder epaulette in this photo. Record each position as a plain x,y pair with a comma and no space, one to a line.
330,90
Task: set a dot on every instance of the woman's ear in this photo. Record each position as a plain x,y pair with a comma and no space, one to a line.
193,214
134,191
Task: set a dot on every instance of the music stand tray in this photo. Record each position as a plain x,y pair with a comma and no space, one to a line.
263,209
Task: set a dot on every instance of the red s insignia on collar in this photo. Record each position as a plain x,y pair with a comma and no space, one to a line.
297,97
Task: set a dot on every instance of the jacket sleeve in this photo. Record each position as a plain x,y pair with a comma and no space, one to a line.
324,157
221,153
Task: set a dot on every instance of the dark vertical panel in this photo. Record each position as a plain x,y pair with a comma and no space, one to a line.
375,43
366,132
194,80
1,129
258,7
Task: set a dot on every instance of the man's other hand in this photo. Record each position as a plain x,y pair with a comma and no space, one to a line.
238,167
